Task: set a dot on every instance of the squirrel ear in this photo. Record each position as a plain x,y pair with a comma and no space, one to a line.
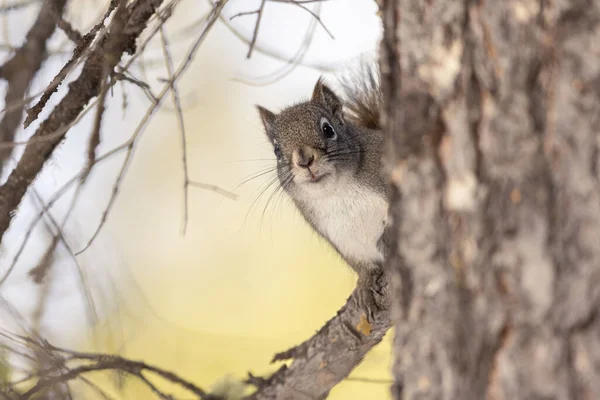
267,117
324,95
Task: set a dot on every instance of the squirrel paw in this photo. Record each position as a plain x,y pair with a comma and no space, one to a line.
366,292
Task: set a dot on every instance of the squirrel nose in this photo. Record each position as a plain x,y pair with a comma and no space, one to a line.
304,160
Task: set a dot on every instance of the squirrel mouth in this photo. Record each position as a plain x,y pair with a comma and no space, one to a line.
315,178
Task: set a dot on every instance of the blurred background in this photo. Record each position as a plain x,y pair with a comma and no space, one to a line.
248,278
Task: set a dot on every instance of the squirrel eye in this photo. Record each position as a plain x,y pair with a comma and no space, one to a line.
277,150
327,129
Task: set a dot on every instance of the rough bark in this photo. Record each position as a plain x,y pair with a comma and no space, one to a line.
22,67
331,354
493,119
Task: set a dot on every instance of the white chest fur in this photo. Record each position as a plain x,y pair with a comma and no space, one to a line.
353,219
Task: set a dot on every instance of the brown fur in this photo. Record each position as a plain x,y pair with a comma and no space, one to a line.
363,99
340,193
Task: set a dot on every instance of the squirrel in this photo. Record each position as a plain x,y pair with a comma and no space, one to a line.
329,152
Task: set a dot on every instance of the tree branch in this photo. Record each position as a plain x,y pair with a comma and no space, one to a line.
124,29
22,67
210,20
82,46
256,28
60,372
331,354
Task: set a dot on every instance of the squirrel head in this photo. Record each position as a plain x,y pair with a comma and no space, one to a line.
313,143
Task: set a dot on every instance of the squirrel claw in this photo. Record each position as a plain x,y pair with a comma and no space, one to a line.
366,295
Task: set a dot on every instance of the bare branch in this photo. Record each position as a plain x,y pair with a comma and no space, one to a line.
96,388
244,13
125,27
276,55
149,113
59,236
16,104
259,14
314,15
79,50
53,199
101,362
331,354
46,138
72,33
256,27
213,188
20,70
294,62
177,103
142,85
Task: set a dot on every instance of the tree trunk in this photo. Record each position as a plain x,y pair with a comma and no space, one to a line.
492,110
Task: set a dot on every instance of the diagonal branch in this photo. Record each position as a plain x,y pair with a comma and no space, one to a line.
82,46
331,354
210,20
179,110
20,70
101,362
126,26
256,27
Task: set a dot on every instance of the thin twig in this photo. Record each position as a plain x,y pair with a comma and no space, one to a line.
73,34
141,84
20,103
96,388
59,236
256,27
244,13
276,55
46,138
17,352
177,103
59,133
315,16
293,63
149,113
213,188
125,28
53,199
152,387
103,362
64,47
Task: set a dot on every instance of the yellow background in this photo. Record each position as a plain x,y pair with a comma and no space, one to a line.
245,281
